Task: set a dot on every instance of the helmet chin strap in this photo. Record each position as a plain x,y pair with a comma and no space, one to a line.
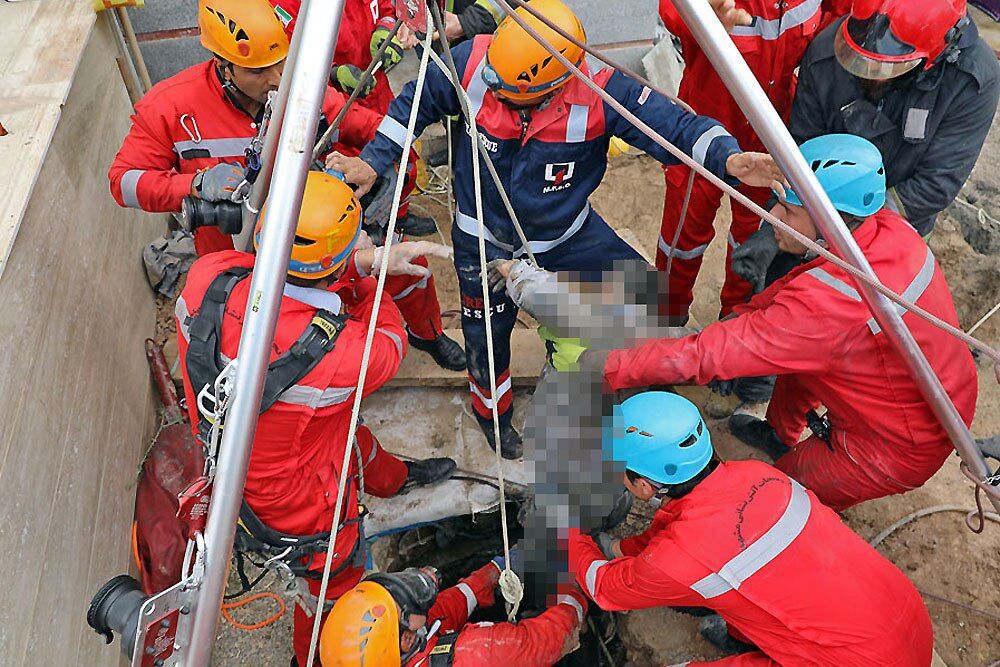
231,90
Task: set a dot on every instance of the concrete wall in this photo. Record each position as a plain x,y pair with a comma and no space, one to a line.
75,397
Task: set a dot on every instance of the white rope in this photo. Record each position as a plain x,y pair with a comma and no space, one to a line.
510,585
356,408
982,320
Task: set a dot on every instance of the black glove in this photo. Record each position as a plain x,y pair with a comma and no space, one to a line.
990,447
723,387
750,260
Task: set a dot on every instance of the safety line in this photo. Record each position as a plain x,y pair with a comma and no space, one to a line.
365,357
747,202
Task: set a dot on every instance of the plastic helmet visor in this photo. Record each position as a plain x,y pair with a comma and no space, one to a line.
868,49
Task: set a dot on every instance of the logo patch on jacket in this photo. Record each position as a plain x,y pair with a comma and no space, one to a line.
559,174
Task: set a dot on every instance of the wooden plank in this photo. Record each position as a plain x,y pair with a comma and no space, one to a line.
527,356
74,391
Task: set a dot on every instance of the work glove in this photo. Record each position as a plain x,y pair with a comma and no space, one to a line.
723,387
393,53
516,561
751,260
990,446
378,201
219,182
348,77
402,255
563,354
607,545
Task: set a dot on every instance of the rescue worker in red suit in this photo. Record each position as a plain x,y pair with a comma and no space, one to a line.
786,577
189,134
771,36
299,442
418,627
812,329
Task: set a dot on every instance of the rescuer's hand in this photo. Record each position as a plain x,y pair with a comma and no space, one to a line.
758,170
218,183
729,15
348,78
562,353
750,260
401,257
393,53
356,171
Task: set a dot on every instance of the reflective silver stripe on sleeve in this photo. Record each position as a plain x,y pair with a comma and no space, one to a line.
539,247
678,253
836,283
395,339
228,147
914,290
772,29
700,150
591,579
470,226
420,284
502,389
181,313
129,182
761,552
314,397
732,242
476,90
576,124
573,602
393,130
470,597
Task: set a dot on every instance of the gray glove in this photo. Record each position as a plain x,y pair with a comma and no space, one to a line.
990,446
219,182
751,260
378,203
606,543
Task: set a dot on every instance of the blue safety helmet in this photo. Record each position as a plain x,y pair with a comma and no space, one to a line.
850,170
660,436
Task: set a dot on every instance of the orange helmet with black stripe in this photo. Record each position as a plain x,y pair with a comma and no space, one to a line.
246,33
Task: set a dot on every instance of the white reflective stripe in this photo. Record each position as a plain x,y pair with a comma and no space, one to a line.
314,397
130,180
393,130
762,551
476,90
470,597
228,147
914,290
772,29
732,242
395,339
502,389
700,150
470,226
591,579
372,454
573,602
317,298
181,313
836,283
576,124
680,254
538,247
420,284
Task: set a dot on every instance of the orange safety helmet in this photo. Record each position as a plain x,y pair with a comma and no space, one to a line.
246,33
521,70
328,228
362,629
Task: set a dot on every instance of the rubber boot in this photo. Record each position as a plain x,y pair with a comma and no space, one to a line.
446,353
715,631
426,472
758,434
510,441
416,225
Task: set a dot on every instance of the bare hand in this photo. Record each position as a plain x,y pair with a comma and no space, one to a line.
757,170
729,15
452,30
407,37
355,170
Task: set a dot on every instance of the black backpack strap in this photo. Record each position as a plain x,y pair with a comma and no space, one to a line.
443,653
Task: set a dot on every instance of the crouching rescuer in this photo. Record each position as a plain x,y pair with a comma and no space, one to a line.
291,486
789,581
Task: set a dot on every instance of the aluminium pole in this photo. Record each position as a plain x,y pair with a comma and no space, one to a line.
319,24
745,89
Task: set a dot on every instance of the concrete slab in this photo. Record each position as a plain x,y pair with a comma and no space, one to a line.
166,57
164,15
613,22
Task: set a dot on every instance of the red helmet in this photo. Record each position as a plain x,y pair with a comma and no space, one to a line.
883,39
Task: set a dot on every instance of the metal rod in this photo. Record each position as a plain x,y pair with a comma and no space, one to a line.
133,83
745,89
133,44
318,26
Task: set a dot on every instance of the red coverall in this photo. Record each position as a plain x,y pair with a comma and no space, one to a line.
533,642
777,565
299,444
360,19
186,124
812,329
772,46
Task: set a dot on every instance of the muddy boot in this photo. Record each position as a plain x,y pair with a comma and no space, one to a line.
716,632
510,441
426,472
446,353
416,225
758,434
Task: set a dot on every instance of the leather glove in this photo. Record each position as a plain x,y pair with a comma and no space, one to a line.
393,53
562,353
750,260
348,77
378,201
219,182
607,544
402,255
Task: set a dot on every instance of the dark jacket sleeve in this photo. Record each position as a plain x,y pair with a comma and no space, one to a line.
811,116
480,18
